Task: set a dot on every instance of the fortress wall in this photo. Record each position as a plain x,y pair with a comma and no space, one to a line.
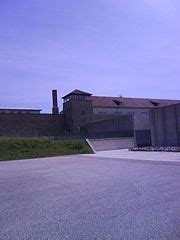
31,125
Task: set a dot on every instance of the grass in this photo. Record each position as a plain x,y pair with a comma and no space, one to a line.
22,148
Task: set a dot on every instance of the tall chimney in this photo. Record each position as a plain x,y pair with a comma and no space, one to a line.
55,109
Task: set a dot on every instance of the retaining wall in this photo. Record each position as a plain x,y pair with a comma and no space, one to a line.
111,143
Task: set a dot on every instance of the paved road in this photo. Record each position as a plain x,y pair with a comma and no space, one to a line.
78,197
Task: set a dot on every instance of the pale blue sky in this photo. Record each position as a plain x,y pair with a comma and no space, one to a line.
105,47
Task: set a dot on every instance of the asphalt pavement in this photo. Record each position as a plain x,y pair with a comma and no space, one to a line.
89,198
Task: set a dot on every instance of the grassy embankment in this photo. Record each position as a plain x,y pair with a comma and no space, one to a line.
21,148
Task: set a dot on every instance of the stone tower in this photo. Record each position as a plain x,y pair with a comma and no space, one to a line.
77,110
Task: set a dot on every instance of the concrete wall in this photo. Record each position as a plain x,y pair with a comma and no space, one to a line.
142,131
100,117
140,125
178,123
121,126
31,125
165,125
141,120
119,110
111,143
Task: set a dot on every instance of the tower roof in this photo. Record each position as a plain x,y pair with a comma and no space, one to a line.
77,92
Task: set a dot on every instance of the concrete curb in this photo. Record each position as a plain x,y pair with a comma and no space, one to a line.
90,145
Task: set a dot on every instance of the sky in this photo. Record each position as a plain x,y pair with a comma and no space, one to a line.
105,47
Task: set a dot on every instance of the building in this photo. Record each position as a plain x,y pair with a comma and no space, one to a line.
81,109
148,121
77,110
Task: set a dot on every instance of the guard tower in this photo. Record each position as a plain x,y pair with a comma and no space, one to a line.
77,110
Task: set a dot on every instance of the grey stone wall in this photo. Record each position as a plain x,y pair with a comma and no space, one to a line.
76,114
31,125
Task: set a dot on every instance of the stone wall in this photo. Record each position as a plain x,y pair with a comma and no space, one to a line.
76,114
31,125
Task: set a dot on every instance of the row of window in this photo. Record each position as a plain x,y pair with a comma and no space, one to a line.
76,97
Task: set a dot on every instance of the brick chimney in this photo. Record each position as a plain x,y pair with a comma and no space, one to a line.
55,109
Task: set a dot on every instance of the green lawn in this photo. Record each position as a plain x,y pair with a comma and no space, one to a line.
21,148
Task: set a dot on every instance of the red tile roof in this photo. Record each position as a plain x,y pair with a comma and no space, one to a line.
124,102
